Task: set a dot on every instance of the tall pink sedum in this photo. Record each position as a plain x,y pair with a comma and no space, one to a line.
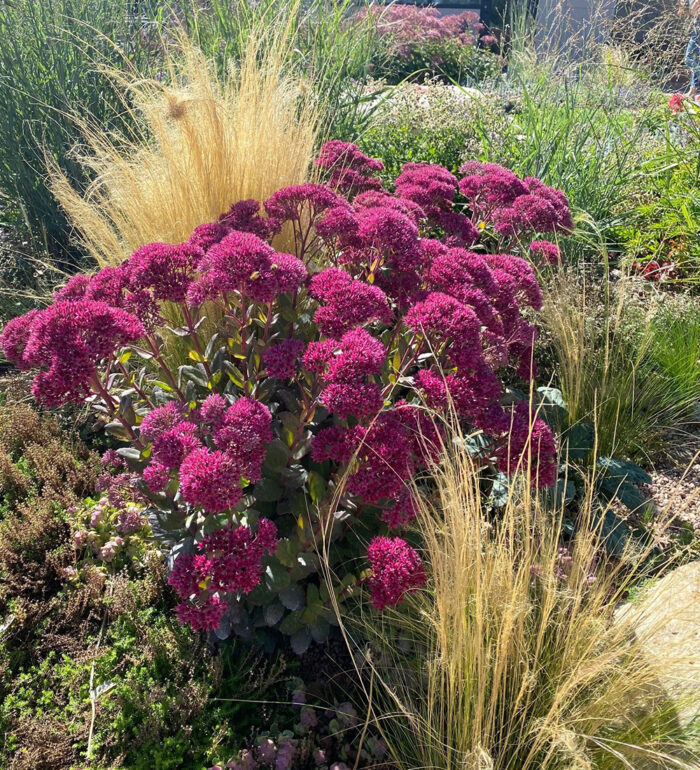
310,393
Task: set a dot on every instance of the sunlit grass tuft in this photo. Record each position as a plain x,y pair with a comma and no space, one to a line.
623,362
513,658
203,142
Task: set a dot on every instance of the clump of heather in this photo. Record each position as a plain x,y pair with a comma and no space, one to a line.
308,412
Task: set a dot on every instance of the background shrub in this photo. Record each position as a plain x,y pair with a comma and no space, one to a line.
420,42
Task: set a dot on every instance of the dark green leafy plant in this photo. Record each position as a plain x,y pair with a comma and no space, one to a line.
615,481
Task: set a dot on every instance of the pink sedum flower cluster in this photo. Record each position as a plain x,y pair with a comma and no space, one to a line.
410,25
512,205
322,363
228,560
397,570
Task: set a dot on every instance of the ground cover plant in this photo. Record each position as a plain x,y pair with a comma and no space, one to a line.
87,619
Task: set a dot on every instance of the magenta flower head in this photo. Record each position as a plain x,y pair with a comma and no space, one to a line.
344,366
66,342
541,209
361,400
234,556
339,222
546,252
488,185
245,216
393,236
107,285
442,318
210,479
281,359
351,171
14,337
529,213
243,263
212,410
346,155
336,443
458,228
303,201
385,460
75,288
457,271
164,269
205,616
430,186
156,476
242,433
360,355
557,199
173,445
397,570
161,419
347,302
373,199
205,236
523,276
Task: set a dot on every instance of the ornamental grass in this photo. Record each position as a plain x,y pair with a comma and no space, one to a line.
513,657
624,362
202,142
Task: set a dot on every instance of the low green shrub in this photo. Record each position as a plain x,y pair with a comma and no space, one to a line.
431,123
660,237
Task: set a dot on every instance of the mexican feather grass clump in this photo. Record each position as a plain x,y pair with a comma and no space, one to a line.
202,143
626,363
514,658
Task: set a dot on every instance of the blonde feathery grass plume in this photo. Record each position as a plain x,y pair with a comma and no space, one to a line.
513,657
202,142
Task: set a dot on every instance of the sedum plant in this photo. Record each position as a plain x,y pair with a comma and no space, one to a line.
420,41
300,417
